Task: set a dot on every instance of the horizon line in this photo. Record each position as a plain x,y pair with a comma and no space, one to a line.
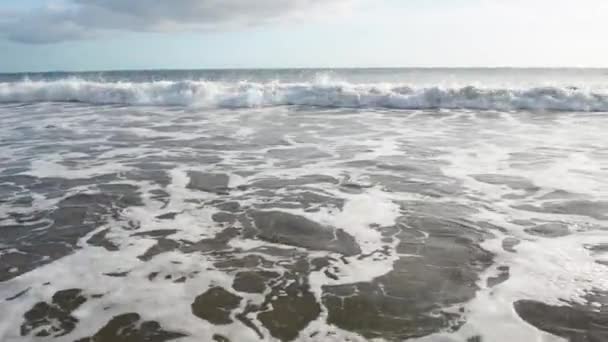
309,68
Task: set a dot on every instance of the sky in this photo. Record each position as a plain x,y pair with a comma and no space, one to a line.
75,35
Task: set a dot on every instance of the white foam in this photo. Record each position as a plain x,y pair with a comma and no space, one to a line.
324,94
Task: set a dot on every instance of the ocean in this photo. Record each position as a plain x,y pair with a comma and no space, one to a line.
426,205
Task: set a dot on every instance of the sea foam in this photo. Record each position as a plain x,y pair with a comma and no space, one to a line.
208,94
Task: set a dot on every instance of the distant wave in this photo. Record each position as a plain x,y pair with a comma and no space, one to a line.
323,94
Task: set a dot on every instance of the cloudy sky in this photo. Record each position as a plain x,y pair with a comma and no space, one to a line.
38,35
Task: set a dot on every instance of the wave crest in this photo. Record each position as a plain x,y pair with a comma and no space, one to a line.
324,94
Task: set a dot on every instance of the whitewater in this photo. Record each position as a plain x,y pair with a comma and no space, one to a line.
245,94
419,205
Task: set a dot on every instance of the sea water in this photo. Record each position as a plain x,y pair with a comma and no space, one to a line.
309,205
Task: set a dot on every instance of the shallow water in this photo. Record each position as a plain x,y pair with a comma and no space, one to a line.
149,223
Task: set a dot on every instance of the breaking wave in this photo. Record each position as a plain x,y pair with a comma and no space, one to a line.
322,94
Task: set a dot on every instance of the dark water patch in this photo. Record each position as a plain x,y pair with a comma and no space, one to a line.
18,182
293,230
277,205
491,227
55,187
129,328
434,188
309,199
105,201
180,280
353,188
249,163
524,223
449,215
279,183
594,209
444,209
12,171
22,201
216,244
261,195
249,261
162,246
125,137
290,305
167,216
550,230
502,276
302,153
407,302
99,239
69,216
408,168
30,217
252,281
159,177
21,230
230,206
270,136
513,182
16,263
216,305
224,217
161,196
208,182
318,264
87,150
117,274
360,164
118,188
509,244
576,323
123,195
73,218
207,146
202,158
292,311
53,319
174,127
561,195
150,164
599,248
158,233
9,190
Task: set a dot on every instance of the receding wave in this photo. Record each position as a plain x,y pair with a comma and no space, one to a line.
327,94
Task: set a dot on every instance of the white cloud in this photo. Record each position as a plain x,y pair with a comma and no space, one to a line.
82,19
